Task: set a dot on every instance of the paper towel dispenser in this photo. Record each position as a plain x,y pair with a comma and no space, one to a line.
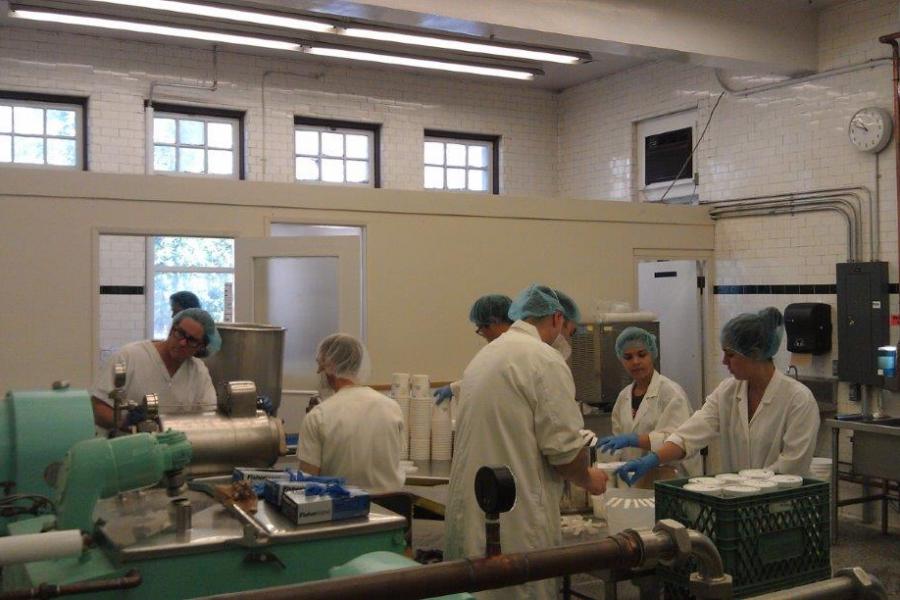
808,327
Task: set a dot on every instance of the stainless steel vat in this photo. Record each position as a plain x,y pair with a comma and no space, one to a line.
249,352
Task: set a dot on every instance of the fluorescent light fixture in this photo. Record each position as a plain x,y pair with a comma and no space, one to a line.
421,63
229,14
179,32
436,42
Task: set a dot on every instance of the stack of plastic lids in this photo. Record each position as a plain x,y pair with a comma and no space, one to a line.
820,468
420,405
400,393
787,481
737,490
756,474
763,485
730,479
702,488
706,481
441,432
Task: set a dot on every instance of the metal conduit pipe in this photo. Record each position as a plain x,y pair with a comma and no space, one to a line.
869,64
707,555
792,208
895,59
847,584
853,191
131,579
854,206
668,541
754,212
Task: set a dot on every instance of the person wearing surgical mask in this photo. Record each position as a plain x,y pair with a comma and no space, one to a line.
355,433
651,404
517,408
572,314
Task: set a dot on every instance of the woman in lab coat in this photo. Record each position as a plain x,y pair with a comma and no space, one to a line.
763,418
652,404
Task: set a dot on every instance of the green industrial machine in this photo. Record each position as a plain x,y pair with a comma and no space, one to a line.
149,533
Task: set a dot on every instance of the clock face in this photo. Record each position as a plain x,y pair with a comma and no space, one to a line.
870,129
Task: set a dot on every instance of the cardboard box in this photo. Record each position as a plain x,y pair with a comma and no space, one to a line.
274,489
302,509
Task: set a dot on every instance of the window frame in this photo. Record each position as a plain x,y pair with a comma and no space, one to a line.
341,126
79,103
152,269
163,109
439,135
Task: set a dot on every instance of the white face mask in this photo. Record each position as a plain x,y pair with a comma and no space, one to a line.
562,346
324,389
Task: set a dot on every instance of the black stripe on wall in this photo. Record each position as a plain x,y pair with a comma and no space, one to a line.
828,288
122,290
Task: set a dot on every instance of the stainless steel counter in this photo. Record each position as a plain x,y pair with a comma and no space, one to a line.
141,527
876,445
429,472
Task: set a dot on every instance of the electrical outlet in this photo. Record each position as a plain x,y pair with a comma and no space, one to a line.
697,178
834,367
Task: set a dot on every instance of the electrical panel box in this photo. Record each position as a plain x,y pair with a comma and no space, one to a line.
863,309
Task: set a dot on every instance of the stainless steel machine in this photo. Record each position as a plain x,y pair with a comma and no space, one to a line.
598,374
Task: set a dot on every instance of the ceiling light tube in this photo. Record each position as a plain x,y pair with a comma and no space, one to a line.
179,32
462,46
229,14
421,63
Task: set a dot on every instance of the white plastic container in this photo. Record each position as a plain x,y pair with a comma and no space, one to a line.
763,485
730,478
736,491
400,385
610,469
788,481
706,481
820,468
629,508
756,474
709,490
419,386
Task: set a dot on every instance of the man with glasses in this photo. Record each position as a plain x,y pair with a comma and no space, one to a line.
170,368
490,316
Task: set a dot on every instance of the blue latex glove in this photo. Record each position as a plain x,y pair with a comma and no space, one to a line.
441,394
611,443
633,470
135,416
264,404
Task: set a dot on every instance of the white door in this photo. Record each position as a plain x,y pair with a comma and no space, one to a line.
311,286
670,289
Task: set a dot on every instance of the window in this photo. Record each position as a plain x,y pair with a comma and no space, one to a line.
42,130
204,266
340,152
665,162
190,140
461,162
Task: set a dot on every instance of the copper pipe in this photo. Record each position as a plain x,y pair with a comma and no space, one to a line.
895,55
131,579
622,551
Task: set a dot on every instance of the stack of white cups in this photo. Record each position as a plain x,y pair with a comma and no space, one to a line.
441,432
400,393
420,405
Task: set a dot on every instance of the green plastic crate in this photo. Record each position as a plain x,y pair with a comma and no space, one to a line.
768,541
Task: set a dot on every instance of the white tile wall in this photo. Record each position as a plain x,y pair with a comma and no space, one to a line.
785,140
122,317
116,75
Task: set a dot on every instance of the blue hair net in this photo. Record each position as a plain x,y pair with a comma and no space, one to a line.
345,357
185,300
210,335
535,301
570,309
635,335
754,335
493,308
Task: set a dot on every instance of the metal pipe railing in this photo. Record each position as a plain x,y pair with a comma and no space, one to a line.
847,584
629,549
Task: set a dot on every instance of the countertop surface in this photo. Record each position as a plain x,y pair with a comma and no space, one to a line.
875,426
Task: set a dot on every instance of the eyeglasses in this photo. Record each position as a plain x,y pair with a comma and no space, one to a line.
181,334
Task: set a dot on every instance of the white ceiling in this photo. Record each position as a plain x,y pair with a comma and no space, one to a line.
757,36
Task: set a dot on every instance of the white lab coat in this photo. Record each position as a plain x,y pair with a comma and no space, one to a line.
357,434
781,436
189,390
517,409
665,406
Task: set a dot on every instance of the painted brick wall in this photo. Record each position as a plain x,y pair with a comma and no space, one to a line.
116,75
